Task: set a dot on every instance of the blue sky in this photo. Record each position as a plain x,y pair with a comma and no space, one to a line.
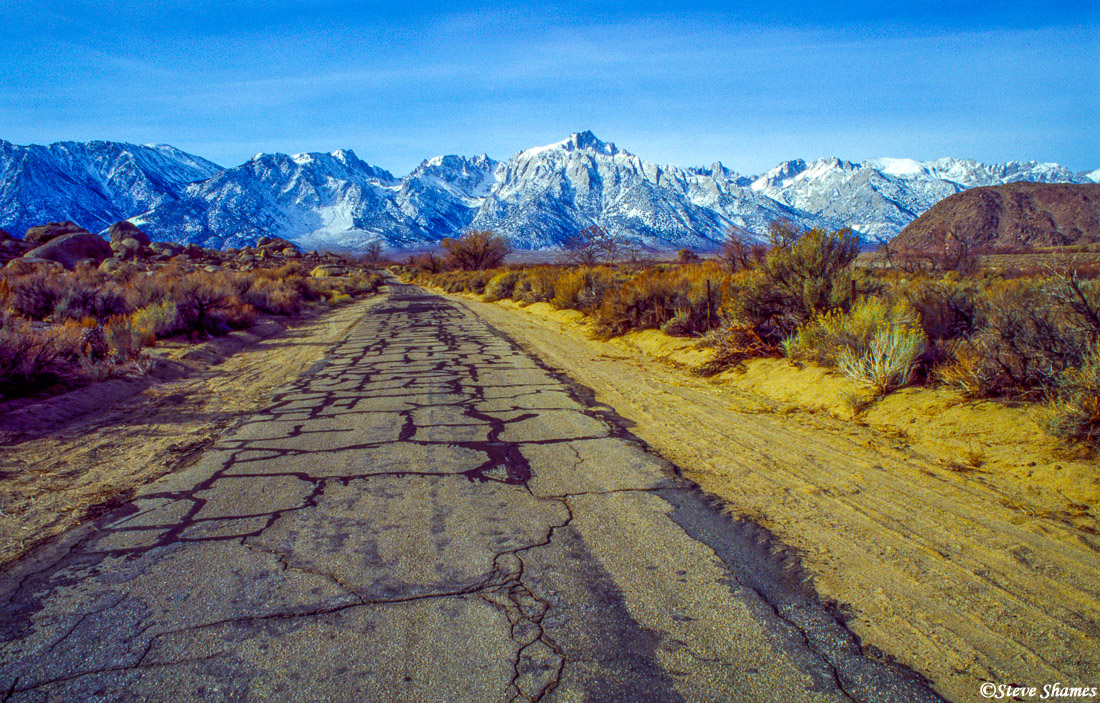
685,83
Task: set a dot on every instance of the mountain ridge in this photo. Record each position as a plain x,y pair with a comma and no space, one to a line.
538,197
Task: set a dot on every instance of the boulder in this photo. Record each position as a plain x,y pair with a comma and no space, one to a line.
44,233
70,249
24,265
194,251
134,248
6,236
16,247
111,265
169,248
128,230
326,270
263,241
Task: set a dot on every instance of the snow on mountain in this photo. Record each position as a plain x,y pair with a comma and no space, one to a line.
538,198
545,194
95,184
314,199
878,197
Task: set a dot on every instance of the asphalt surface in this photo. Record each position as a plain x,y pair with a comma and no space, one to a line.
428,515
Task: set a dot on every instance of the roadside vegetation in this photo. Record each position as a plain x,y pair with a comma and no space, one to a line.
62,326
1029,334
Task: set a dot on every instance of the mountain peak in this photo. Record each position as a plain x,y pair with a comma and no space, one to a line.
577,141
587,141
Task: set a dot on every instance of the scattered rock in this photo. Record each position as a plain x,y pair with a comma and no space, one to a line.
70,249
123,230
110,265
169,248
44,233
211,269
326,270
134,248
30,265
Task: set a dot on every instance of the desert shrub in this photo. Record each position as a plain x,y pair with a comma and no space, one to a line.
125,338
1076,407
28,357
948,308
734,343
803,275
646,301
204,301
1029,338
476,250
276,295
536,285
35,295
889,360
98,300
583,288
825,337
502,285
160,319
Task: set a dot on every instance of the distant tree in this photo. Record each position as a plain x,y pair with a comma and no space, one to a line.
782,233
373,252
634,252
476,250
590,246
687,256
741,249
428,261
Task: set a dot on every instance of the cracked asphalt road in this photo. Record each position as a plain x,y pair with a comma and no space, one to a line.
428,515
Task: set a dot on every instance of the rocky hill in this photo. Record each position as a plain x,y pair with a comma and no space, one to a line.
1011,215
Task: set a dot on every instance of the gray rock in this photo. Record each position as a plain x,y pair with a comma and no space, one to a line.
44,233
71,249
124,229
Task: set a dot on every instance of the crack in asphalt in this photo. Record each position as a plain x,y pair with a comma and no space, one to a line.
357,381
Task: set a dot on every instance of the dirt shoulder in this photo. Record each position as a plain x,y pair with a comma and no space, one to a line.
968,560
69,458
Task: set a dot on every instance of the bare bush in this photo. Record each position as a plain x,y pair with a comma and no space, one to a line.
591,246
476,250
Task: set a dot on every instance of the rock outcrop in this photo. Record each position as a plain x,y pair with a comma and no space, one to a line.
72,249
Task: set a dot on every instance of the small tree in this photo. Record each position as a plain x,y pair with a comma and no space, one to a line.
373,252
741,250
590,246
476,250
808,270
687,256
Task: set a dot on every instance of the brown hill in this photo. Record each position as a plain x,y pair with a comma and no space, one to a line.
1011,215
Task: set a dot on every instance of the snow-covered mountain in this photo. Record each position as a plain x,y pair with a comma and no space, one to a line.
879,197
94,183
544,195
538,198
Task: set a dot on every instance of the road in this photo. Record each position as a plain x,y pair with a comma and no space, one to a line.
431,515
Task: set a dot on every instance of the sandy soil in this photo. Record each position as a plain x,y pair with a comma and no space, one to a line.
72,457
958,537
